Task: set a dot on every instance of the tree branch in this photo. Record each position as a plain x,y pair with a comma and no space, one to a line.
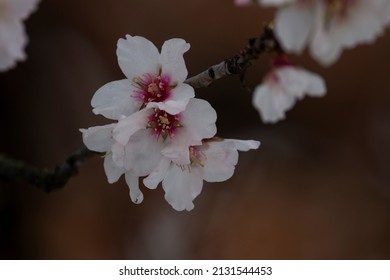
238,64
12,170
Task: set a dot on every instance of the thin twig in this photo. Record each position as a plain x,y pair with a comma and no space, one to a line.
12,170
238,64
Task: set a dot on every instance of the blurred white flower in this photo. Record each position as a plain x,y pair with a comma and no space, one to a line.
328,26
213,161
13,38
345,24
282,87
153,79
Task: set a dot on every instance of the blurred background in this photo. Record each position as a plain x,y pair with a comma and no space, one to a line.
318,187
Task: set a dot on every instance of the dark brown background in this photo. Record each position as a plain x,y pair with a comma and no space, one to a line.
318,188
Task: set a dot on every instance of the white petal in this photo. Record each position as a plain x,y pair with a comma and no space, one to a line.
362,24
135,194
12,43
98,138
272,102
324,47
113,171
118,154
158,174
222,156
131,124
114,100
199,118
176,148
243,145
19,9
181,187
172,61
293,25
315,84
198,122
220,162
177,102
142,152
137,56
292,81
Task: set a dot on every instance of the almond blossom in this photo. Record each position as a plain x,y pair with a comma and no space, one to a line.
143,151
159,123
214,160
153,79
150,133
328,26
155,111
13,38
281,87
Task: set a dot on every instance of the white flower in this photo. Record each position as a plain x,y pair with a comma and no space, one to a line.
150,133
13,38
153,79
135,145
328,26
213,161
155,110
282,87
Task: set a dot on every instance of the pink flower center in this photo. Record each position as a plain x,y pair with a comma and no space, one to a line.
152,88
164,124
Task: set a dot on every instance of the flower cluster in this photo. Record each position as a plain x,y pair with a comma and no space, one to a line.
327,26
160,130
12,34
